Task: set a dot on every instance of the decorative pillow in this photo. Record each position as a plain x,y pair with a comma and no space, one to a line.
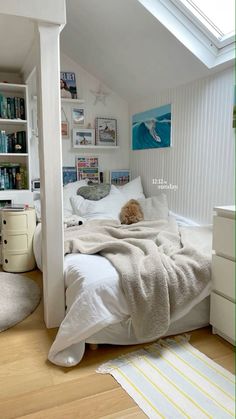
94,192
155,208
133,189
106,208
69,190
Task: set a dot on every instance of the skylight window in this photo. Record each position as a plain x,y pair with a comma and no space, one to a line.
205,27
217,16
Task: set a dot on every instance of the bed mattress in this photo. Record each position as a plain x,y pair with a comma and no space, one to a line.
97,310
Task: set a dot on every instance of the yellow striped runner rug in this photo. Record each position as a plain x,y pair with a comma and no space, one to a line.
172,379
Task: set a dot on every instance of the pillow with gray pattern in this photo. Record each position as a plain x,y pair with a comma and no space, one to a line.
94,192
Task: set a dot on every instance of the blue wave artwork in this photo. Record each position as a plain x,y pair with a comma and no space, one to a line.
152,129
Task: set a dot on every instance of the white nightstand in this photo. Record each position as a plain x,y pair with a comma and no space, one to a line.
17,240
222,316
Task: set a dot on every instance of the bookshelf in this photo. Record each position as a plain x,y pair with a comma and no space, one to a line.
14,138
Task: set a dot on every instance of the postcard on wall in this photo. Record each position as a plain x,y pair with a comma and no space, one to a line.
152,128
68,85
119,177
69,175
78,116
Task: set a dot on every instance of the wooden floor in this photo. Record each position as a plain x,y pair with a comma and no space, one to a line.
32,387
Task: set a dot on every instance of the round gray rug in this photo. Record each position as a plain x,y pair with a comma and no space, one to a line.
19,296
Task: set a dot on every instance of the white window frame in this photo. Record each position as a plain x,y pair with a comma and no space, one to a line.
195,37
204,24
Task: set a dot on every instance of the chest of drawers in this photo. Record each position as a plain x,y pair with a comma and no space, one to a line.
222,315
17,240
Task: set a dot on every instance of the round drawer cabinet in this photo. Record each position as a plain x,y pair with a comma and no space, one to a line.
17,240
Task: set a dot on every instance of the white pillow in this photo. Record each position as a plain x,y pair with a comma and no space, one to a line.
155,208
106,208
133,189
68,191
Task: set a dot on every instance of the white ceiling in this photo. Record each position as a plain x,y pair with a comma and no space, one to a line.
16,37
118,41
123,45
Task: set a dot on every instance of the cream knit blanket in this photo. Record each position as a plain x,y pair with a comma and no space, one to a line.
160,270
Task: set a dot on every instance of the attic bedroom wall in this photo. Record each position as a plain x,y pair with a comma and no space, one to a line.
115,107
201,159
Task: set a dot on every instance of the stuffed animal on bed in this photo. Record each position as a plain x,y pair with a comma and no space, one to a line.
131,212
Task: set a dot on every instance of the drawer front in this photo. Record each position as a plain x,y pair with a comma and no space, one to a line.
16,242
222,315
18,262
15,222
223,275
223,236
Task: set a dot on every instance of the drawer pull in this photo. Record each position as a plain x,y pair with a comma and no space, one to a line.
5,241
6,260
4,222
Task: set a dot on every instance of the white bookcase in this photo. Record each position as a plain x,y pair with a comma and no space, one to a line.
14,125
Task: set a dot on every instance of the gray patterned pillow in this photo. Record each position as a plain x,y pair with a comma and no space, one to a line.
94,192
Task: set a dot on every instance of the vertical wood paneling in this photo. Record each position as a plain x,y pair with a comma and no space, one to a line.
201,159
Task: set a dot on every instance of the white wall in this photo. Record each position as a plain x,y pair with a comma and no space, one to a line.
115,108
201,160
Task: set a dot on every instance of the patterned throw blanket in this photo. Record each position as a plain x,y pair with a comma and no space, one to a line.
159,268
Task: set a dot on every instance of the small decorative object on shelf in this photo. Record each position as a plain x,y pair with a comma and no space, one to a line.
83,136
106,131
87,168
119,177
68,85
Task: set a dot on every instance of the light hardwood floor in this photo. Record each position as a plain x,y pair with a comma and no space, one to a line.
32,387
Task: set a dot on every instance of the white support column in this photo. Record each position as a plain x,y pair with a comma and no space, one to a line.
50,156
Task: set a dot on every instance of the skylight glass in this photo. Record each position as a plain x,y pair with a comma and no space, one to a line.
217,15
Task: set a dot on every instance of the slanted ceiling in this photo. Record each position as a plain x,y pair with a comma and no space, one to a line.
128,49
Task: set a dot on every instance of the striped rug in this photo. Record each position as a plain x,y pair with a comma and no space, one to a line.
172,379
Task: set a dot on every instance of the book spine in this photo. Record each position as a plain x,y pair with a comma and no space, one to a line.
22,108
16,107
12,106
8,107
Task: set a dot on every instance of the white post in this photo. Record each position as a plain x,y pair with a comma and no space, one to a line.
50,156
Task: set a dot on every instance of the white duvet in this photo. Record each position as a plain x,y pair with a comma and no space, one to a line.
96,304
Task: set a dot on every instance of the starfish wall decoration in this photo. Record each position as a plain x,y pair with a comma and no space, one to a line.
100,95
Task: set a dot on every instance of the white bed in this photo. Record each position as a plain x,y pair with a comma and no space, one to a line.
97,310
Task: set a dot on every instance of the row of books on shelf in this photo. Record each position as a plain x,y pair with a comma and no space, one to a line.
12,107
13,176
13,143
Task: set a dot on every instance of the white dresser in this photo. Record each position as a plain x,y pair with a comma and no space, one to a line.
222,316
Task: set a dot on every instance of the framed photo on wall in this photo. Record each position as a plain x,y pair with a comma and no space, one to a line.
78,116
106,131
65,129
119,177
83,137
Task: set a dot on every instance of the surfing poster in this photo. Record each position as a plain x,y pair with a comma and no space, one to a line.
152,129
